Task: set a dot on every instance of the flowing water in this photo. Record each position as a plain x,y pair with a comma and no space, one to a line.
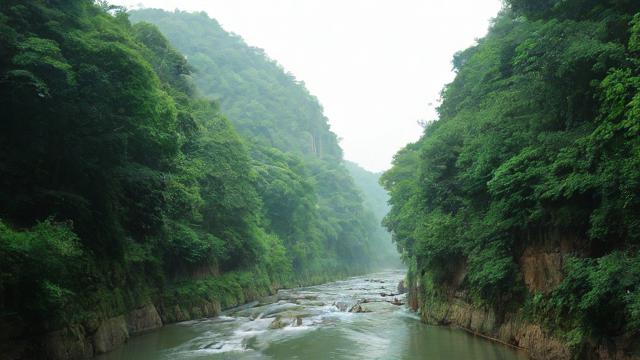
316,323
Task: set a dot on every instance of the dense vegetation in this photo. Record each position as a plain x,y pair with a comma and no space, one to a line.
309,199
376,199
537,135
121,185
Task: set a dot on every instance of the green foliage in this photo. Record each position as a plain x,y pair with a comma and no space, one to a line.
537,134
375,198
599,297
39,267
308,198
104,128
265,103
231,289
493,274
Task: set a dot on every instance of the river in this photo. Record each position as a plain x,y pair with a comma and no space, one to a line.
315,323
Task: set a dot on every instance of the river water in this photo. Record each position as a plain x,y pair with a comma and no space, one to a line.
316,323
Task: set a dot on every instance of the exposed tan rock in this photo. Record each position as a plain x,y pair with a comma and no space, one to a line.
110,334
211,309
143,319
541,345
542,271
542,260
512,331
358,309
69,343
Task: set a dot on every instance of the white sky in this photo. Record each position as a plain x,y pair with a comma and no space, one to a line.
377,66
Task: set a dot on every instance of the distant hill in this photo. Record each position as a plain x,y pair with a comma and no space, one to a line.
309,197
375,198
256,93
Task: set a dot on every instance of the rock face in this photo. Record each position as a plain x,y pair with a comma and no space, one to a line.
77,341
542,261
111,334
178,313
341,305
69,343
512,331
541,265
143,319
542,271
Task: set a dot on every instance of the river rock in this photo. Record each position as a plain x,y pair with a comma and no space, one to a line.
341,305
359,309
143,319
396,302
111,334
277,324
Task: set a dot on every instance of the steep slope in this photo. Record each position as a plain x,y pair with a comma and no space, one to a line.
116,180
264,102
519,204
129,201
376,198
289,139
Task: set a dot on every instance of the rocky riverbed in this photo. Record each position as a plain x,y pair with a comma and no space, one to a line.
359,318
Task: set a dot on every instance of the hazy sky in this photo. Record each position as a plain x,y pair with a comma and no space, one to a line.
377,66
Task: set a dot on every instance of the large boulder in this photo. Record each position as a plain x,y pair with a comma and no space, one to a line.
342,305
143,319
277,323
359,309
110,334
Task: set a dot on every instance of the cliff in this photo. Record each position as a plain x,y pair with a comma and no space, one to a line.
541,267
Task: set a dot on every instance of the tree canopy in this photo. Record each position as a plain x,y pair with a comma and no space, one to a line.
537,135
123,184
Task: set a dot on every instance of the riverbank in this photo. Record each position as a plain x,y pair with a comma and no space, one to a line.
359,317
184,300
512,329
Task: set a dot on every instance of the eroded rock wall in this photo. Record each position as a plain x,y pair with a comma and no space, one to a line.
541,264
512,331
82,341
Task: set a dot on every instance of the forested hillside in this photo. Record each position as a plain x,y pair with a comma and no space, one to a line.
523,198
122,187
262,99
376,198
310,200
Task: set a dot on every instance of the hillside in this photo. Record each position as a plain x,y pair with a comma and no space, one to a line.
376,198
519,205
129,200
288,136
